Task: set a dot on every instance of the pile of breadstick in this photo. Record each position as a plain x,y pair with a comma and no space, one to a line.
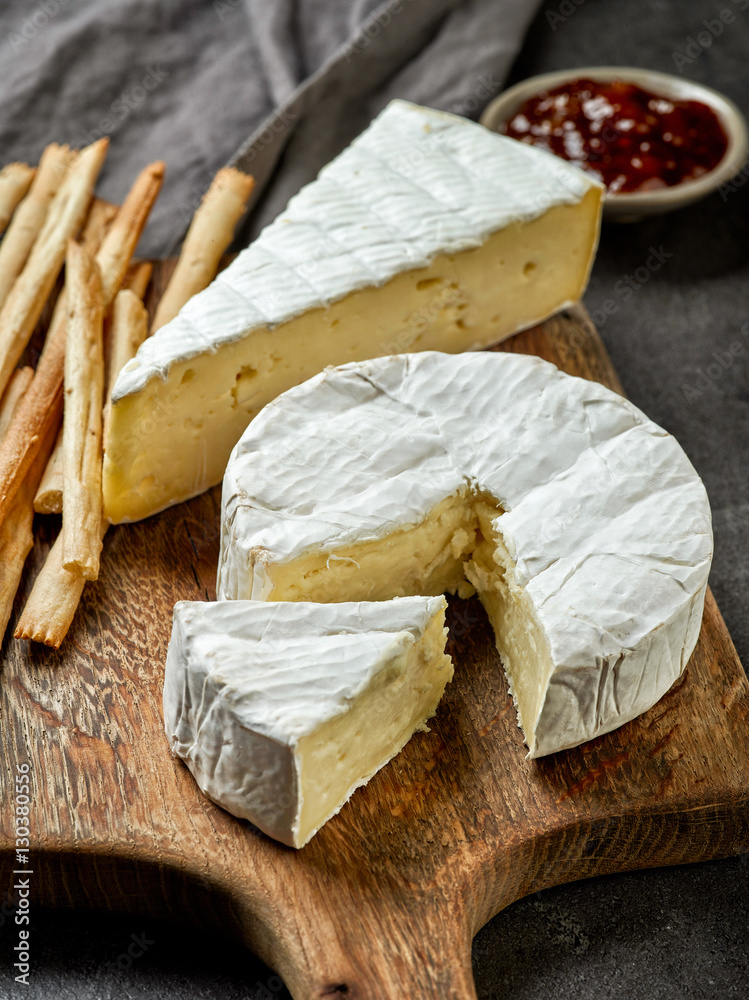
53,418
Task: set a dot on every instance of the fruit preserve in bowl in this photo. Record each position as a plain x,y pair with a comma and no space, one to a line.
657,142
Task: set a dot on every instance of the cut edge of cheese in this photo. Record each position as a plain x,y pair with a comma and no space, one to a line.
594,588
399,700
542,690
281,711
459,550
183,402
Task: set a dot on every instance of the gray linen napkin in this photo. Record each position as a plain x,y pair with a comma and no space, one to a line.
187,81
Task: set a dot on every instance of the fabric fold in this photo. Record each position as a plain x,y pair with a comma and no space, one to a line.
188,82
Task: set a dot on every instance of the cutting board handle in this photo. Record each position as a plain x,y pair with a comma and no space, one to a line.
382,904
383,954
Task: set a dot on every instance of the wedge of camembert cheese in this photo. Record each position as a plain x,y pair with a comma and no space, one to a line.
581,523
282,710
428,232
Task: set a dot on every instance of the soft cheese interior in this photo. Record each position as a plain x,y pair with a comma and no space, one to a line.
282,710
428,233
456,549
581,524
423,558
172,440
344,752
520,639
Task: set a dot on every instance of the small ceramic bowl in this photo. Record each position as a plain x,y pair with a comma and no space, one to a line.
629,207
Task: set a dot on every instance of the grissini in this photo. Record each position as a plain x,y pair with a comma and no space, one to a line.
15,181
54,600
128,329
83,396
100,217
57,591
210,233
97,224
32,287
137,277
29,217
42,404
48,499
16,534
17,386
119,244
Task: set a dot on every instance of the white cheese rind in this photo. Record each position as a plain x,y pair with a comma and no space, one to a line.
605,520
428,232
416,183
247,682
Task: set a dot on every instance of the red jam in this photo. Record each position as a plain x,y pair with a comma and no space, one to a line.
630,139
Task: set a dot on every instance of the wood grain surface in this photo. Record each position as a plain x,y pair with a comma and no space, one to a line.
384,902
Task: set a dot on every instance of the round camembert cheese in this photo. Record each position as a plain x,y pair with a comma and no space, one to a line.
581,524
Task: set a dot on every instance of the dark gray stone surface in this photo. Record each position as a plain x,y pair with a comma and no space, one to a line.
662,337
670,934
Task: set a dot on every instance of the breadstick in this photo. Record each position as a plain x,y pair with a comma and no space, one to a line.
100,217
209,235
57,591
15,180
95,228
29,217
16,388
81,437
48,499
16,536
31,290
42,404
16,541
118,245
137,277
54,599
127,331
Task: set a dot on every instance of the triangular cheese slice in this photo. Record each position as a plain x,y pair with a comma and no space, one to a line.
428,233
282,710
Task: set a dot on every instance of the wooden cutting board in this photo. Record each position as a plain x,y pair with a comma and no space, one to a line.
385,900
